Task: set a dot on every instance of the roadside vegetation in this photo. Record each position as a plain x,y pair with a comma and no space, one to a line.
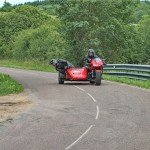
30,65
9,85
33,33
134,82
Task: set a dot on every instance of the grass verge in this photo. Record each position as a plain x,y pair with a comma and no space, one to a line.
9,85
30,65
138,83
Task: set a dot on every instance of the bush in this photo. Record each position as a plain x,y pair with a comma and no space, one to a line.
21,18
41,43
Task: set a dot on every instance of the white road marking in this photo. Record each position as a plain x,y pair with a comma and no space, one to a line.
79,137
92,97
97,114
79,88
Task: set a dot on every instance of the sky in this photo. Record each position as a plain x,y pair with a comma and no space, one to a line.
14,1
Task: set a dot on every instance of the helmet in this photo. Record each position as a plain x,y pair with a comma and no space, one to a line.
91,53
53,62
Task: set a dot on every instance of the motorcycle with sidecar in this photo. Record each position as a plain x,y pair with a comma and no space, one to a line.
67,72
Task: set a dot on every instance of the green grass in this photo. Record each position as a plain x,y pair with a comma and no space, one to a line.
9,85
30,65
138,83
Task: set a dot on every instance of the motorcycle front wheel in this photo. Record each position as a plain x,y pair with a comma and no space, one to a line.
98,78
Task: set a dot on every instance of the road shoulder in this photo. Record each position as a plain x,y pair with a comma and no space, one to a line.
13,104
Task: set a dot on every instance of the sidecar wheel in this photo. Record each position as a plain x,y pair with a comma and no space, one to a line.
60,80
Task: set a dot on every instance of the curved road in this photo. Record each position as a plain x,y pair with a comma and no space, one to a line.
77,116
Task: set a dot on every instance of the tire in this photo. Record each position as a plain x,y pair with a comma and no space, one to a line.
60,80
98,78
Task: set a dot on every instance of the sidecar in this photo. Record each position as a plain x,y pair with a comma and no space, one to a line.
67,72
77,74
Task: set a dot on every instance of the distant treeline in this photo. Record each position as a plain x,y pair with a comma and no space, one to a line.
43,2
55,2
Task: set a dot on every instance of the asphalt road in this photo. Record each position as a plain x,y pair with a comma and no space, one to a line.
77,116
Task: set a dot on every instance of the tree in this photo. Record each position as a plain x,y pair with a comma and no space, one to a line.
34,15
42,43
21,18
142,9
97,24
7,7
143,30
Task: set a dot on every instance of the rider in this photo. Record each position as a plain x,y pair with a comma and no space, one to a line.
91,55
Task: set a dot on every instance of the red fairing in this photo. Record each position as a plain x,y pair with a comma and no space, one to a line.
79,74
97,65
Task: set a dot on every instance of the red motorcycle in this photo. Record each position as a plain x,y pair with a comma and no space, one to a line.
67,72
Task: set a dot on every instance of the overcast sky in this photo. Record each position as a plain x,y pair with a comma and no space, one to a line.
14,1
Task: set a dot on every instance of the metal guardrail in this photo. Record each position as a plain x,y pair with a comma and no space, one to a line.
141,72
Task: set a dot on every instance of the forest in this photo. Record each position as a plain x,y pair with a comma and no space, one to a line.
118,30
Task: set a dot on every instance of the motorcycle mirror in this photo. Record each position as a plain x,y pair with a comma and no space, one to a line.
104,63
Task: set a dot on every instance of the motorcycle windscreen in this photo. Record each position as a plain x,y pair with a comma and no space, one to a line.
77,74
